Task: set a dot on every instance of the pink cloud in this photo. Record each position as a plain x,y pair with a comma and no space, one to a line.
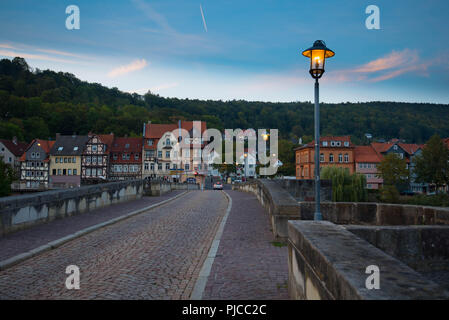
133,66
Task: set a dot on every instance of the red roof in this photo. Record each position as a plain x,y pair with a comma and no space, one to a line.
46,145
156,131
366,154
17,148
329,139
133,145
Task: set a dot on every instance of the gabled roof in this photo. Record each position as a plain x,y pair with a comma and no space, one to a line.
46,145
15,147
366,154
329,139
131,145
69,145
156,131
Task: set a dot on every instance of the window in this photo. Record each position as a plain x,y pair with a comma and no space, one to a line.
340,158
65,160
56,160
94,148
152,166
88,159
167,166
150,142
159,166
127,146
136,156
175,166
346,157
60,148
346,144
125,168
94,172
33,155
75,148
332,143
159,154
88,172
100,160
69,160
70,172
187,166
114,156
322,157
395,147
167,154
338,143
74,172
64,172
146,166
54,172
94,159
324,143
59,172
331,157
38,155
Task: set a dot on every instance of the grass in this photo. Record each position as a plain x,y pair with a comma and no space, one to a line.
278,244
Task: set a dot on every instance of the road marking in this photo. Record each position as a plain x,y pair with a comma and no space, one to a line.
200,284
59,242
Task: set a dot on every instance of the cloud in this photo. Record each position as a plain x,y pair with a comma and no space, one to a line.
133,66
6,46
384,68
10,53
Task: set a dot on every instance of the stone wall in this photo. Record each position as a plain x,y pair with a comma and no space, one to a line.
327,262
423,248
157,188
304,190
19,212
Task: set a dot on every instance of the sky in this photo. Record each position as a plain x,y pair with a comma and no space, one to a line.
225,50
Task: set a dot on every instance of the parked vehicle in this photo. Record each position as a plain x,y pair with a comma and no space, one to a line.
218,185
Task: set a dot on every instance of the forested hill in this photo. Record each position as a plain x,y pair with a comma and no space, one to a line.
38,104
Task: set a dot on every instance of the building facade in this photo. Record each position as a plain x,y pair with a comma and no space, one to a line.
95,158
65,161
125,159
334,151
366,161
35,165
11,151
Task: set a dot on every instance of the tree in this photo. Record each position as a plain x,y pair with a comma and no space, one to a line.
432,165
7,176
393,170
345,186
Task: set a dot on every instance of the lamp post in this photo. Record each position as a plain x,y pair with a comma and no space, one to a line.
317,54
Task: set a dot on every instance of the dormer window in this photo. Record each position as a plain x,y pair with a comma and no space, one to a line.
332,143
75,148
338,143
346,144
395,147
324,143
60,148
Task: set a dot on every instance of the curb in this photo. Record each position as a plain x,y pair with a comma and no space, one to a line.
200,284
59,242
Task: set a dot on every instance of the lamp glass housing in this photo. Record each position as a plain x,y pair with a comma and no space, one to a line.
317,55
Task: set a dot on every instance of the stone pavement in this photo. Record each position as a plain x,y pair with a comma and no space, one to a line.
154,255
28,239
248,265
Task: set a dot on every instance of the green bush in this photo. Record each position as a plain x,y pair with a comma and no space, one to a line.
437,200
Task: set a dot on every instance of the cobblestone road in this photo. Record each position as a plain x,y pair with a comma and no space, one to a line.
155,255
248,264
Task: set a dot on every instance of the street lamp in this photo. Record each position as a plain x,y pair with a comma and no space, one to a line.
317,54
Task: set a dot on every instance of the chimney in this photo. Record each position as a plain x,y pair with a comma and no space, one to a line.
14,140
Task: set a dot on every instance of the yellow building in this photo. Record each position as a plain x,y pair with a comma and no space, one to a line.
65,161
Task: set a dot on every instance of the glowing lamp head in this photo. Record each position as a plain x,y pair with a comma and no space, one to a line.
265,136
317,54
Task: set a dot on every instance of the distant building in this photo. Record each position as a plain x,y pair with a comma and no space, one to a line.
366,161
65,161
334,152
35,165
125,159
11,151
95,158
